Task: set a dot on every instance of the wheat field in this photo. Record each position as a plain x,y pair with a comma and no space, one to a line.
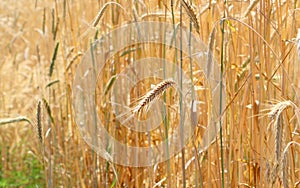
256,49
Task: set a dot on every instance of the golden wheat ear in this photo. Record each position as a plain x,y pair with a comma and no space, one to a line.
144,103
39,122
191,13
148,99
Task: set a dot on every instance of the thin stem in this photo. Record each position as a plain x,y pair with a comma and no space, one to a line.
166,119
220,107
180,104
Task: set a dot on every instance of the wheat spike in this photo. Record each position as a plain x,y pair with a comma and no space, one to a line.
189,10
278,137
285,177
276,115
153,94
38,119
284,172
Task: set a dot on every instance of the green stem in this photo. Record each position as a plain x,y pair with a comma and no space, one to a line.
220,107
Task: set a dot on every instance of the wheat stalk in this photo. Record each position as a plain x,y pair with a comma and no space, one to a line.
298,42
250,7
102,10
211,43
14,120
156,14
189,10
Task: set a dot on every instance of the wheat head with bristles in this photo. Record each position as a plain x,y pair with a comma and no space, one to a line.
152,95
276,115
144,103
191,13
38,120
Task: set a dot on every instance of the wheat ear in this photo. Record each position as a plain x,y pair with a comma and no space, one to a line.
152,95
276,115
189,10
38,119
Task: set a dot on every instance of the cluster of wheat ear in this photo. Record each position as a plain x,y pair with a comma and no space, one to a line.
279,168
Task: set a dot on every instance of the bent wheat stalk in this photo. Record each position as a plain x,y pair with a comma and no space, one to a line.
14,120
102,10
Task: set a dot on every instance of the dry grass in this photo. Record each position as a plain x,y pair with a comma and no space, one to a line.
42,43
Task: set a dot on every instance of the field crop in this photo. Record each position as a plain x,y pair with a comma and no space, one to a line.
239,93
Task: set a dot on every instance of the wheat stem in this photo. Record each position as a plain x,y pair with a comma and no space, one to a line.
102,10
